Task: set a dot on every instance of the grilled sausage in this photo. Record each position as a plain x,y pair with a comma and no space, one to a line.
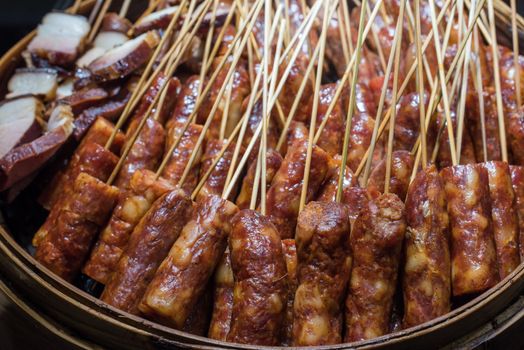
186,102
400,174
181,279
180,157
145,153
223,299
467,153
324,264
216,181
131,207
91,159
273,162
516,135
407,123
333,131
291,87
362,126
353,196
517,180
491,124
427,270
289,249
376,242
99,133
148,245
504,217
283,197
473,255
260,291
74,227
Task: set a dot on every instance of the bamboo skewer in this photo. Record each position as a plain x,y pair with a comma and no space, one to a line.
442,80
163,86
75,7
408,77
254,12
98,21
498,88
320,66
350,66
139,91
124,8
464,86
381,103
389,154
230,72
480,94
420,77
351,107
95,10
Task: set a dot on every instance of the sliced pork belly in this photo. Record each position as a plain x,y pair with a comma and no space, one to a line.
124,59
19,122
37,81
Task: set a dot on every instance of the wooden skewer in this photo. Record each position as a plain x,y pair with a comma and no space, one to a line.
221,34
163,86
347,25
320,66
230,72
124,8
98,21
342,33
240,127
252,99
480,94
346,75
256,181
217,158
498,88
297,99
389,155
75,7
376,40
253,13
95,10
464,85
137,94
442,80
420,84
351,107
410,74
515,38
381,103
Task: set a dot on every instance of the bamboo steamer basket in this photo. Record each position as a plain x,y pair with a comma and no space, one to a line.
86,322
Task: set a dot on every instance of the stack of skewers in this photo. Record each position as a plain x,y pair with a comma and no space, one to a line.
274,172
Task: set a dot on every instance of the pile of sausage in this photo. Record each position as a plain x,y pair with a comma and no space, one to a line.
333,272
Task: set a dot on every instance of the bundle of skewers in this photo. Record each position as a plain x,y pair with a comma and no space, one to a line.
274,172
